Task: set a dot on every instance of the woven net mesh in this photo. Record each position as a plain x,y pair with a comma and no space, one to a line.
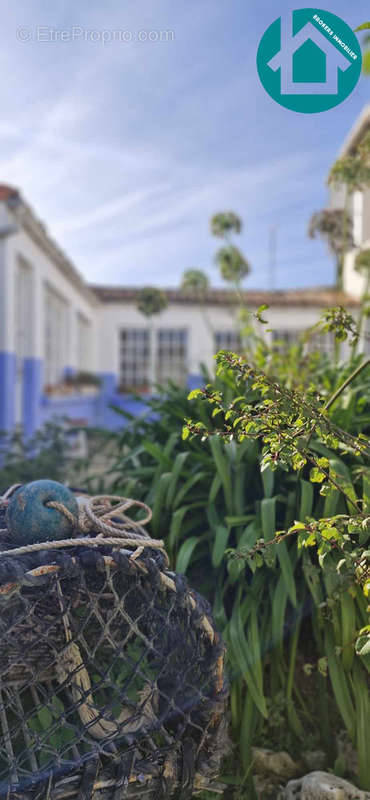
111,678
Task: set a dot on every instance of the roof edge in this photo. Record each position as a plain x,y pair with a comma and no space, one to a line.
27,219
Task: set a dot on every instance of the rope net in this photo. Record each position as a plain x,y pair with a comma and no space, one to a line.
111,675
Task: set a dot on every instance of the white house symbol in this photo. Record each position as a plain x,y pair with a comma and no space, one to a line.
289,44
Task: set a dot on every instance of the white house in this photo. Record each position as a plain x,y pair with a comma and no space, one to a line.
54,326
358,205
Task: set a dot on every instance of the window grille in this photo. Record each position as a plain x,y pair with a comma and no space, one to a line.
228,340
172,355
324,342
287,337
135,358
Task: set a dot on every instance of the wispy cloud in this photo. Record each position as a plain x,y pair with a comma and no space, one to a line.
126,151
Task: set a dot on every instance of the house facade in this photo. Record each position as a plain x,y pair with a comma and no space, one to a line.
59,335
358,205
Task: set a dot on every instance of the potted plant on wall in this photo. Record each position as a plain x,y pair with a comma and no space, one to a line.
84,382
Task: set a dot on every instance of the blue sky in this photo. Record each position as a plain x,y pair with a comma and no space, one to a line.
125,149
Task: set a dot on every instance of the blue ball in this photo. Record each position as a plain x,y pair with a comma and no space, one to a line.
30,520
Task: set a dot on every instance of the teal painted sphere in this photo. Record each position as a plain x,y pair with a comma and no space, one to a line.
30,520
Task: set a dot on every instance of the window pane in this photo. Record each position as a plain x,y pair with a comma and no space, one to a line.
228,340
172,355
134,358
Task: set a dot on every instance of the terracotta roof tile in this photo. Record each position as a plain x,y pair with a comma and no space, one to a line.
319,297
8,193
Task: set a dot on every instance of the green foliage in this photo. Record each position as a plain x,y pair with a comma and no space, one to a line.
298,436
23,460
83,378
335,226
224,223
366,49
232,264
195,280
264,504
353,170
151,301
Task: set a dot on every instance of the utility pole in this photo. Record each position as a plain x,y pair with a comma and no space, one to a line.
272,241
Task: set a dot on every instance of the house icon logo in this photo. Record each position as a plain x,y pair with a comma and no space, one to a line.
309,61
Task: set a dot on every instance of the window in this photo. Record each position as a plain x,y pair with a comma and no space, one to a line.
317,341
23,309
324,342
56,335
287,337
228,340
83,343
135,358
172,355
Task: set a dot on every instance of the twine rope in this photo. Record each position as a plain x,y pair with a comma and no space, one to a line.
95,516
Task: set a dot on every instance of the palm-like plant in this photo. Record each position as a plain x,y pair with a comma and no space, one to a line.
224,223
334,225
195,280
232,264
151,301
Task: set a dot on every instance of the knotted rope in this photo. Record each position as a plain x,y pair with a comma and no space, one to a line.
103,515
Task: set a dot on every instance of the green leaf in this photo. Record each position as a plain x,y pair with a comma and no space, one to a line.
175,475
159,500
306,501
185,553
175,528
223,469
268,507
195,393
287,570
267,475
316,476
239,646
363,27
219,546
45,718
339,684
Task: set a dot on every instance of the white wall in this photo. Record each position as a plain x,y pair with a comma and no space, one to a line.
21,245
200,325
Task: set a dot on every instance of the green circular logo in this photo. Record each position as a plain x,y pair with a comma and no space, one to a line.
309,60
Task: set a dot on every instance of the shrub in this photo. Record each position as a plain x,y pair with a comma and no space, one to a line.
23,460
291,610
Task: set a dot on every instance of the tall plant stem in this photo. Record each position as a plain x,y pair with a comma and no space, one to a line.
346,383
335,396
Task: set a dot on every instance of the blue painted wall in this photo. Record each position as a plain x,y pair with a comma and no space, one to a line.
7,391
95,410
32,390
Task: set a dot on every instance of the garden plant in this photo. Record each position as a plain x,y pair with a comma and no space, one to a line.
263,501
